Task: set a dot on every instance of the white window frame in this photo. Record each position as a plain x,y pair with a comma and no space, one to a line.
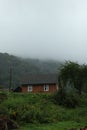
46,88
30,89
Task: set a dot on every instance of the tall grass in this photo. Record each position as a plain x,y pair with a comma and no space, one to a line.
64,125
42,109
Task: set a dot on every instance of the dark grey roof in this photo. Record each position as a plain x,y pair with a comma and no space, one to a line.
40,79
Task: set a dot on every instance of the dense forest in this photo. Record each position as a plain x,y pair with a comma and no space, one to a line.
20,67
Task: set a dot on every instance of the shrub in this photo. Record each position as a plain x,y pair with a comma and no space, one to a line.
67,99
3,96
3,110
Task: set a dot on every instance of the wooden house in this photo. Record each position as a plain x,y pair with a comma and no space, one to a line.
47,83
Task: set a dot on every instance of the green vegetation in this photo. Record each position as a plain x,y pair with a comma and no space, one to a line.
73,76
41,111
67,99
64,125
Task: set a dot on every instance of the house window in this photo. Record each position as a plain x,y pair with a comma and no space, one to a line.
30,89
46,87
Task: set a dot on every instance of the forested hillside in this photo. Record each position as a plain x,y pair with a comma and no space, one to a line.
21,66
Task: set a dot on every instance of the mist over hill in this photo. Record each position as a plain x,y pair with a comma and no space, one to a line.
23,66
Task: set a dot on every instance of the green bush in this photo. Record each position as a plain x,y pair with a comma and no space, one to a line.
3,110
3,96
67,99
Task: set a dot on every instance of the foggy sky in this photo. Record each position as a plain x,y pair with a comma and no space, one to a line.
54,29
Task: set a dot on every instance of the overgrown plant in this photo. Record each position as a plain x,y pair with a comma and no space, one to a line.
67,99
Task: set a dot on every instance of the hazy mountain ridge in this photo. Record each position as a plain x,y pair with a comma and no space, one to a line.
21,66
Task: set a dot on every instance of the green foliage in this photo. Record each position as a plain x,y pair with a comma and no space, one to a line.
3,96
67,99
3,111
42,109
73,75
64,125
31,108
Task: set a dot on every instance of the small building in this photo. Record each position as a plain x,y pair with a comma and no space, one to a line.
47,83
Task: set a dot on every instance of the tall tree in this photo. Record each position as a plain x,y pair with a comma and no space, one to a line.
72,75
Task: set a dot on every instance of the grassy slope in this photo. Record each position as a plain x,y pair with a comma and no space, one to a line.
59,118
